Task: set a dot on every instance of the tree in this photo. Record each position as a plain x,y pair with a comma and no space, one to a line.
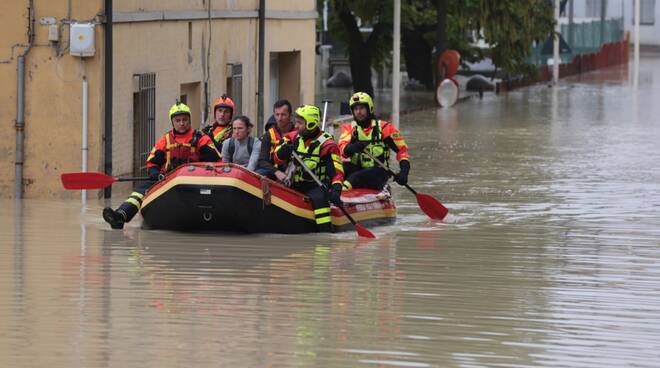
509,27
364,51
417,25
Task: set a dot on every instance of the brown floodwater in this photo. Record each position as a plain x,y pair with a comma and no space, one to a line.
550,257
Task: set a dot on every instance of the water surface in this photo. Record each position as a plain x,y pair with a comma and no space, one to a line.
549,258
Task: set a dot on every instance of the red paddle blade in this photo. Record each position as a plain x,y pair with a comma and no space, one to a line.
364,232
431,206
86,180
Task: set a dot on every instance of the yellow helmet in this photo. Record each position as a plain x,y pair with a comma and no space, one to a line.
179,109
311,114
361,98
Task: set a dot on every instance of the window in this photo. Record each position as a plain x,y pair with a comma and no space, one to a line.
144,120
593,8
646,12
236,87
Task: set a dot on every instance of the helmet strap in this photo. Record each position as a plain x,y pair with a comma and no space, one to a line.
310,133
177,133
364,123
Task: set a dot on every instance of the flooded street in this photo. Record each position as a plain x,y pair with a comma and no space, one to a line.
550,257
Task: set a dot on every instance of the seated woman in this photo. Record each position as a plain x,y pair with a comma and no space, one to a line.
241,148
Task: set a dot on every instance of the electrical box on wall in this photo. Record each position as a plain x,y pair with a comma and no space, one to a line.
53,33
82,39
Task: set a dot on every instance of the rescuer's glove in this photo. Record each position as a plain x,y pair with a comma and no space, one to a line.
402,177
154,173
353,148
285,151
335,194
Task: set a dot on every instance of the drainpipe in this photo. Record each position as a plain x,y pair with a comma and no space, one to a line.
20,123
260,92
20,105
107,132
84,134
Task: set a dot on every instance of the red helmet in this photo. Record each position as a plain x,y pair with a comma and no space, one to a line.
223,101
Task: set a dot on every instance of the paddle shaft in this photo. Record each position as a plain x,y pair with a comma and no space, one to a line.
381,164
137,178
431,206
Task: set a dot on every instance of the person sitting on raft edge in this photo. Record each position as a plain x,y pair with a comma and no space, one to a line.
366,134
241,148
221,129
179,146
320,154
281,125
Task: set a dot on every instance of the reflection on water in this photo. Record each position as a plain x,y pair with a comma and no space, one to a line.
548,258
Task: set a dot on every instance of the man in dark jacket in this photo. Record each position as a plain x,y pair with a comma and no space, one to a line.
283,124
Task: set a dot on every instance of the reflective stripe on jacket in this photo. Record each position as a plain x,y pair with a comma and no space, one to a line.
173,150
326,150
380,136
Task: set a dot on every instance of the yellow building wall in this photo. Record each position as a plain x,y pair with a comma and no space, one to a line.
159,5
288,36
289,5
53,100
13,29
164,50
161,47
53,88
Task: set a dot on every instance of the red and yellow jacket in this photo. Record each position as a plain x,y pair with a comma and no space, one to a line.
320,154
174,149
218,134
380,136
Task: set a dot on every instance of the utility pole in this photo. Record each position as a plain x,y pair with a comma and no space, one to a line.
260,62
396,63
555,46
603,14
636,60
571,25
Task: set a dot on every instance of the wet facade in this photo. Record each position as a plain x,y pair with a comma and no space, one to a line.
162,51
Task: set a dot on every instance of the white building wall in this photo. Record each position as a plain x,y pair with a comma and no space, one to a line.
649,34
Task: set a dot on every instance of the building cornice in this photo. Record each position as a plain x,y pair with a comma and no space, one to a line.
186,15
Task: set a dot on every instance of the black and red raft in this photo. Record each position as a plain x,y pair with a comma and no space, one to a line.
228,197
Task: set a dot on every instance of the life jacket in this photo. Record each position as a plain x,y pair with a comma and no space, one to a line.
219,136
311,157
177,154
375,145
275,139
232,146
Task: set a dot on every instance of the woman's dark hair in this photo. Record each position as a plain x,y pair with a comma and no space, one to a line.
244,119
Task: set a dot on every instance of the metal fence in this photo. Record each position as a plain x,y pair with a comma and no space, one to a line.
583,38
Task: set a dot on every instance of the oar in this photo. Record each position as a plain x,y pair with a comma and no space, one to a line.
361,230
92,180
431,206
325,110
